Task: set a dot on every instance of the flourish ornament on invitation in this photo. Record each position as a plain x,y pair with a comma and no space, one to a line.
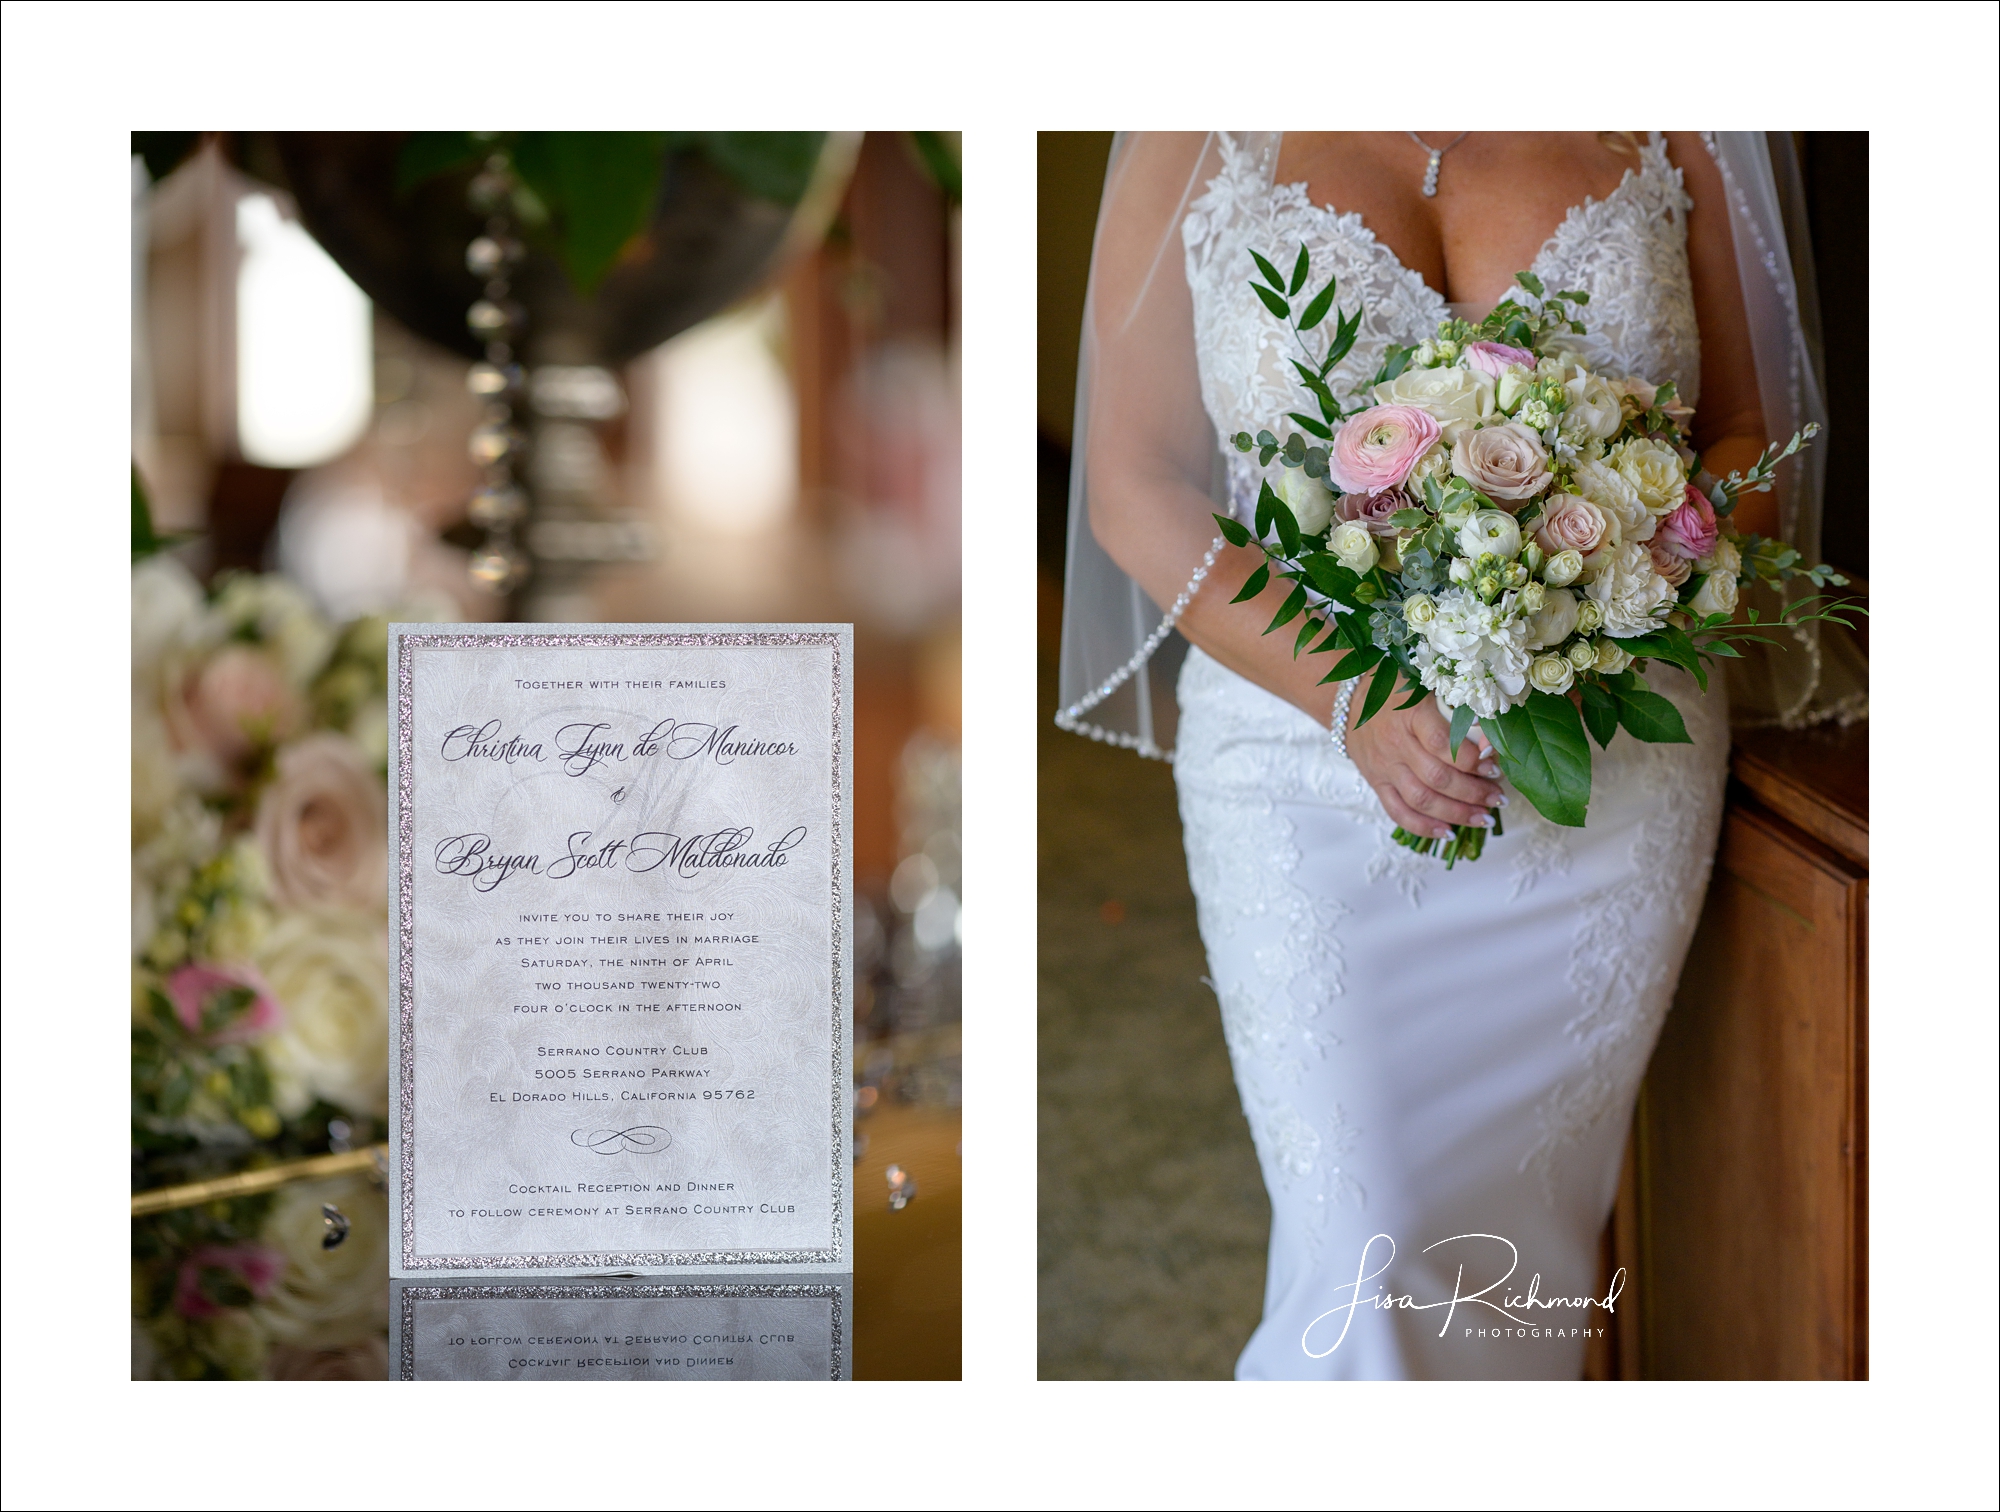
621,858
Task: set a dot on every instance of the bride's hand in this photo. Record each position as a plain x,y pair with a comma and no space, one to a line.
1406,757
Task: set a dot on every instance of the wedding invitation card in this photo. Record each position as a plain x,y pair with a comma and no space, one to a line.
621,861
771,1329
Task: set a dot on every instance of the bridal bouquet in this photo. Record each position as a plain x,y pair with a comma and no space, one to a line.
259,968
1495,523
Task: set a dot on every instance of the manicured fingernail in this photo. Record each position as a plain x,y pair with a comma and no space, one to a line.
1501,800
1443,834
1484,821
1488,769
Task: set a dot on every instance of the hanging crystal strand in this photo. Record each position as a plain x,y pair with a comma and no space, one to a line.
1071,718
499,505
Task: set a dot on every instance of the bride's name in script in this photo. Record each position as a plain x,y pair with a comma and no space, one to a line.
580,746
474,856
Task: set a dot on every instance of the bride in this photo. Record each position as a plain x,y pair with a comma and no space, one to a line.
1438,1068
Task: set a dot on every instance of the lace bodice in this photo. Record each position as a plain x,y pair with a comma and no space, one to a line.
1628,251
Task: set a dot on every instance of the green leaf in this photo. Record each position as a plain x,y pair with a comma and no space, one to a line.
1529,282
1418,694
1299,271
1394,364
1241,441
1379,688
429,153
1329,577
1288,529
1308,628
1272,302
1315,427
1289,611
599,186
1266,503
1409,519
1257,583
1355,663
1600,713
1316,311
1461,723
1540,745
1271,275
1652,719
1233,531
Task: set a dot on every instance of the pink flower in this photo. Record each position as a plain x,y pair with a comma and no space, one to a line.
320,824
1493,359
1373,511
191,988
1375,450
254,1268
233,704
1690,530
1674,568
1571,523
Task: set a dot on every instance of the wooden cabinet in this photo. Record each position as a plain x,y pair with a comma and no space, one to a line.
1742,1219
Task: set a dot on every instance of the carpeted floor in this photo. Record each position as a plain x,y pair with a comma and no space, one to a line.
1153,1217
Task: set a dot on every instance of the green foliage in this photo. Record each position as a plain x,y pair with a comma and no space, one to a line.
1461,724
146,541
1540,745
933,150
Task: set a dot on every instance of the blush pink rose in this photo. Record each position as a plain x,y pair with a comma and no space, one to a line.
1375,451
321,825
253,1267
233,703
1690,530
1373,511
1572,523
190,989
1493,359
1505,462
1668,563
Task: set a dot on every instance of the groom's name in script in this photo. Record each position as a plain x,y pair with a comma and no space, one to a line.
473,855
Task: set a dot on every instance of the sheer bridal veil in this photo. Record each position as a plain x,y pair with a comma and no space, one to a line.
1138,359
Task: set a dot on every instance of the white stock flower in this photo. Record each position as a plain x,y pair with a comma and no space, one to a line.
1474,653
1490,531
1562,569
1355,547
1614,493
330,970
1631,594
1555,621
1654,470
1551,674
1310,501
1455,397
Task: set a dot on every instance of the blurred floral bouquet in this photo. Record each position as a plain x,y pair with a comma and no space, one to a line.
259,969
1510,531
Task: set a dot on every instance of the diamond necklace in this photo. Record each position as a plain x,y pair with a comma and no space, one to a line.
1437,156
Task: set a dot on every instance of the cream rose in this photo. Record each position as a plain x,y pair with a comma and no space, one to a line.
1455,398
330,970
1551,674
1555,621
1420,609
321,827
1563,568
1310,501
1505,461
1654,470
1593,412
1355,547
1613,493
1582,655
327,1298
1612,657
1589,617
1716,595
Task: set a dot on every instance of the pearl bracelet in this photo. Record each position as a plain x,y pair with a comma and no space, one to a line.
1340,705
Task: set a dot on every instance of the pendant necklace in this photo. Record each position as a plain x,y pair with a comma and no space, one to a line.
1437,156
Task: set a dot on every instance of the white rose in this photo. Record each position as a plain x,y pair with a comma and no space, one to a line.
1555,621
1551,674
1594,412
1511,387
1725,558
1632,596
166,616
1455,397
1716,595
1562,569
1461,570
1582,655
1654,470
329,969
1615,494
1435,463
1310,501
1589,617
1420,609
1532,597
1612,657
327,1298
1355,547
1490,531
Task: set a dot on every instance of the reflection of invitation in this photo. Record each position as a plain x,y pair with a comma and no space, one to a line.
622,860
770,1329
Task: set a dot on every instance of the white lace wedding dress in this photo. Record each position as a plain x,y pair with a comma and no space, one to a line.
1446,1059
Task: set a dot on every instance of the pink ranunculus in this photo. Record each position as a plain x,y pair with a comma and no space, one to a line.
1668,563
1373,511
1375,450
1493,359
1690,530
256,1266
190,988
